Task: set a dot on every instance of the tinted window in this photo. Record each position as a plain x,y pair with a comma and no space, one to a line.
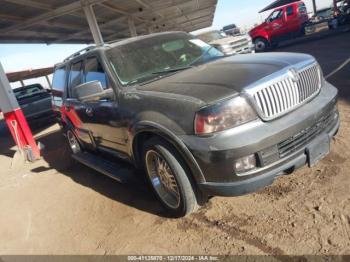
75,75
210,36
29,91
155,57
229,27
302,8
59,79
94,71
290,10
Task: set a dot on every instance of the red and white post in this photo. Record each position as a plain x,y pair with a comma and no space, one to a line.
16,121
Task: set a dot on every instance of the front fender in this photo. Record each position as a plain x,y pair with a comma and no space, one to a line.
149,127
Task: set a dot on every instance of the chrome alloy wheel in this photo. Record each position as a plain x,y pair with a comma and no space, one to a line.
163,179
73,142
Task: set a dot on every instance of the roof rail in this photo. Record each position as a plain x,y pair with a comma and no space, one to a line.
80,52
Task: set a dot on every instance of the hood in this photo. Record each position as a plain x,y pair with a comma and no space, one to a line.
259,27
228,40
224,77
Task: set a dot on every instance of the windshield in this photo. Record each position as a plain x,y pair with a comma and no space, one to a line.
210,36
229,27
28,91
146,59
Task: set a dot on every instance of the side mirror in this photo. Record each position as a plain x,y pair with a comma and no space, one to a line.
92,91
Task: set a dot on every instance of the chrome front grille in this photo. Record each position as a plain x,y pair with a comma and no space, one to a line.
290,92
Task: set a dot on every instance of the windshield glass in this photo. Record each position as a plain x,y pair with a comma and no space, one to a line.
142,60
210,36
29,91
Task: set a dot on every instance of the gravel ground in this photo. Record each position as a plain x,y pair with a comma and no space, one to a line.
51,207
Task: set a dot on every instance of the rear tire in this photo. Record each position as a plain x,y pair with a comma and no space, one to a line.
261,44
169,177
73,142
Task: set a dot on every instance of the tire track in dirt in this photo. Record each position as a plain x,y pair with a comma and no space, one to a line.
200,219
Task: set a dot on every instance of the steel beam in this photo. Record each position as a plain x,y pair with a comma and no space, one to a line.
314,6
60,11
132,27
94,28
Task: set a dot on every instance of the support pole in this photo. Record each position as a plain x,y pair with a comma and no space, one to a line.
16,121
48,81
132,27
314,6
335,6
94,28
22,83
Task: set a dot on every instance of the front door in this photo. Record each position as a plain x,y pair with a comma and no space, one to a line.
104,118
276,25
74,110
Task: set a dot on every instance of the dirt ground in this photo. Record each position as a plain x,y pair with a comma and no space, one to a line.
47,208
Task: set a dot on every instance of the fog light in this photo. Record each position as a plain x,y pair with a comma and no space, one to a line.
245,164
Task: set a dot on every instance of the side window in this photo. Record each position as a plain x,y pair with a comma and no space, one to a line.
75,75
290,10
94,71
59,79
302,8
275,15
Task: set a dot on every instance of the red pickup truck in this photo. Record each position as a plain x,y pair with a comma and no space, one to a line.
283,23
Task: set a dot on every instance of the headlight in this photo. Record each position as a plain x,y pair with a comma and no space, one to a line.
224,116
249,38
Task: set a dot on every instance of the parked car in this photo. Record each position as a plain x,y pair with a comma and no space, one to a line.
231,30
283,23
229,45
199,123
35,102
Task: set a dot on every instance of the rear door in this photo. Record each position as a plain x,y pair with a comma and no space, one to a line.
293,20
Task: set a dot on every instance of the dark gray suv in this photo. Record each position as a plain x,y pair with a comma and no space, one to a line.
199,123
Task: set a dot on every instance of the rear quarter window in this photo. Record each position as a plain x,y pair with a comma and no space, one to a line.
59,79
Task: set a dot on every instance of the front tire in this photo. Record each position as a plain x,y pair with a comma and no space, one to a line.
261,44
169,177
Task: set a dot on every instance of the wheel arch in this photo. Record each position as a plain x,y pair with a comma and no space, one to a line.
146,129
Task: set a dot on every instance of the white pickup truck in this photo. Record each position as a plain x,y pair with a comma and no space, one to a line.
229,45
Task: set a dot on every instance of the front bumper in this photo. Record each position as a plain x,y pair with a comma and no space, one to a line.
216,155
250,185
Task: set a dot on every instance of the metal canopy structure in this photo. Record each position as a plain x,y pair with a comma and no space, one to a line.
65,21
278,3
29,74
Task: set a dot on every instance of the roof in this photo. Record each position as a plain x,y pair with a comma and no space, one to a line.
29,74
277,4
63,21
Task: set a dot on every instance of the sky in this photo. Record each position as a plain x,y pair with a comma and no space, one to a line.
244,13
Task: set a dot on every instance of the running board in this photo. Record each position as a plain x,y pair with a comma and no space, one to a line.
117,171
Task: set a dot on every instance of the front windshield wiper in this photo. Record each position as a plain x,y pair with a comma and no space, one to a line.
201,56
171,70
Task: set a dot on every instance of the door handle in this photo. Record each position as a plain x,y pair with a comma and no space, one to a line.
89,111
